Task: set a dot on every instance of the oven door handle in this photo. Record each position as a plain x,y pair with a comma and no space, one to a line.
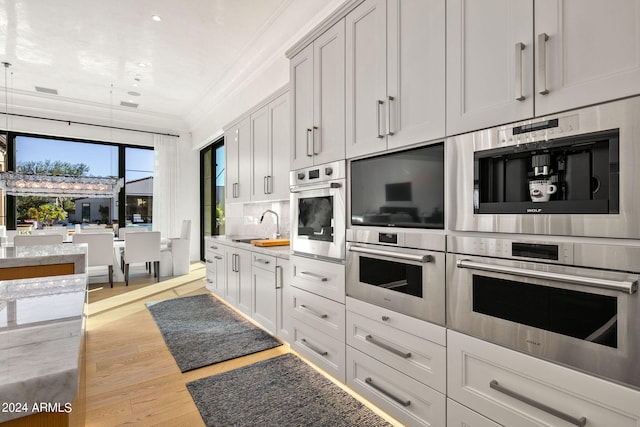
399,255
301,188
627,286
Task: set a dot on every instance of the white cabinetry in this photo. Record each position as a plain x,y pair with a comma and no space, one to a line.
238,292
263,271
237,141
461,416
395,72
283,300
216,277
318,314
270,142
515,389
317,83
501,60
398,362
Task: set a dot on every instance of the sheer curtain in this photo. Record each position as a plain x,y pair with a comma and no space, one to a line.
165,185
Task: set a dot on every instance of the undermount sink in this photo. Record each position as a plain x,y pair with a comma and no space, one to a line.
248,239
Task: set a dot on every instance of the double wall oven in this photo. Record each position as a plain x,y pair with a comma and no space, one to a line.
395,237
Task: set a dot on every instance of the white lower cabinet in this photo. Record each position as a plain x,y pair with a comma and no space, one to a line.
461,416
323,314
515,389
326,351
263,286
401,396
284,327
215,264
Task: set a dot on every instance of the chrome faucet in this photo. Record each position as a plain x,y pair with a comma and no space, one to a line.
277,221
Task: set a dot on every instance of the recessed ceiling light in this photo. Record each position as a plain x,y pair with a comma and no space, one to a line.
46,90
133,93
142,64
156,18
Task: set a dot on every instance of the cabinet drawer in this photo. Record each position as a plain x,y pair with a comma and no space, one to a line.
461,416
404,398
418,358
214,247
265,262
327,352
321,313
512,388
210,280
319,277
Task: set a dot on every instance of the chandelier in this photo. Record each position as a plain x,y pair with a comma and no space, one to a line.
22,184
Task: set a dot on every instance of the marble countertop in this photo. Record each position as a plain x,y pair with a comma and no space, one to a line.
44,255
277,251
41,328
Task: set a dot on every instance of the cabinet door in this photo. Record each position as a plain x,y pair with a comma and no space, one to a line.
328,105
284,300
301,80
259,154
366,78
237,145
245,293
232,277
220,275
264,298
592,53
415,71
279,136
489,63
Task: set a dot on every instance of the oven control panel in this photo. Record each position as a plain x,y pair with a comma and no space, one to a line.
318,173
553,252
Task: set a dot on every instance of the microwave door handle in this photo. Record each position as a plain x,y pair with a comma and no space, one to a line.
626,286
301,188
398,255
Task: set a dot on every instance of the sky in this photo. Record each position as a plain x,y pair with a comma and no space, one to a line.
101,159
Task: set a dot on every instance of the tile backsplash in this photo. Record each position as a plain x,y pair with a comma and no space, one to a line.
243,219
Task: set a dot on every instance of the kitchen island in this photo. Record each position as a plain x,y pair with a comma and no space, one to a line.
42,323
42,261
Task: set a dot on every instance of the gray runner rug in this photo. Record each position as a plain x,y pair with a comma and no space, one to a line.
200,330
282,391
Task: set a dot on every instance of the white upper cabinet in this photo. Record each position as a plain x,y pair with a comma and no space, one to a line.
317,83
395,74
504,64
237,141
270,143
489,63
588,52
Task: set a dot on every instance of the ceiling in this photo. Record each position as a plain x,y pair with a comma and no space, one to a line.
113,54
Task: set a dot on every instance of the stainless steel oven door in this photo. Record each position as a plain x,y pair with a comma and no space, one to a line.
583,318
409,281
318,214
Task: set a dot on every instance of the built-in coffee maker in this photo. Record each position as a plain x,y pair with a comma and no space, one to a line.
572,175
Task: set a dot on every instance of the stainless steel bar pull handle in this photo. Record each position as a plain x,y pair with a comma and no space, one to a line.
209,261
626,286
390,254
313,276
581,422
217,257
379,102
387,347
301,188
315,313
403,402
519,49
542,63
309,131
313,140
263,261
314,348
279,276
389,99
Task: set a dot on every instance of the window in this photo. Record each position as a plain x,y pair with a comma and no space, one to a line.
139,187
212,190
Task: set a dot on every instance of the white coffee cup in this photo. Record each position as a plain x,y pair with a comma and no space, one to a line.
541,190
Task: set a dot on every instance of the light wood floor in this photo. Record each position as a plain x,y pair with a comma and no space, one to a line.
131,377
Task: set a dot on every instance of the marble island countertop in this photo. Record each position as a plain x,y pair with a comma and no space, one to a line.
44,255
41,330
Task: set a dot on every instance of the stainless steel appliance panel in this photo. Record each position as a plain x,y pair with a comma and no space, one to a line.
584,318
619,221
405,280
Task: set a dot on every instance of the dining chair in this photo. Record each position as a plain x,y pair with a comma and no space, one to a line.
35,240
179,250
99,250
122,232
141,247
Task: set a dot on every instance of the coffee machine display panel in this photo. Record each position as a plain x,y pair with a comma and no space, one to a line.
573,175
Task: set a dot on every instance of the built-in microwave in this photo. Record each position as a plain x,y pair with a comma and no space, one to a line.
570,174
